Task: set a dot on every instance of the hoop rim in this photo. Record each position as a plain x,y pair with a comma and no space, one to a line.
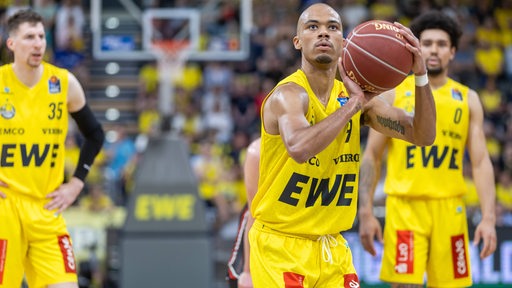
170,46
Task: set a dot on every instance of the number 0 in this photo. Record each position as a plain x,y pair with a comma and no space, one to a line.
457,116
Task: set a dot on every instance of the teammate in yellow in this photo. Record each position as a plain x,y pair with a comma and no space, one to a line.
426,225
309,164
35,99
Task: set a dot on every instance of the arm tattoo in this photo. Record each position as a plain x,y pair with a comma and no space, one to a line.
393,125
366,178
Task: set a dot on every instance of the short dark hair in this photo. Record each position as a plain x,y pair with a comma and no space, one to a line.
23,16
436,19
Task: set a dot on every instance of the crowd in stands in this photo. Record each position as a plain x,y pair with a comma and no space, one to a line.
217,104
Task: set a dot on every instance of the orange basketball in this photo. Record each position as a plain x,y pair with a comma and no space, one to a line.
375,56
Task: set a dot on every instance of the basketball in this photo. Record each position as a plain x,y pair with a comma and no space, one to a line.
375,56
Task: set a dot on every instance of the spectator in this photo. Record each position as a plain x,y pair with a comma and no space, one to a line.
69,38
48,10
69,25
119,151
96,200
148,84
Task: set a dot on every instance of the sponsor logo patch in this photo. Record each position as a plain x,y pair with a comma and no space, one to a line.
54,85
293,280
3,255
7,110
404,252
351,281
67,253
456,94
459,257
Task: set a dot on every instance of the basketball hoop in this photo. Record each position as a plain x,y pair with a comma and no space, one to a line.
171,56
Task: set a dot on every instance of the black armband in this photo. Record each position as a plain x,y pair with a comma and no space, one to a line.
94,136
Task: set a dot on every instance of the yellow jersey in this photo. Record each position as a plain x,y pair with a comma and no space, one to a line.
433,171
319,196
33,128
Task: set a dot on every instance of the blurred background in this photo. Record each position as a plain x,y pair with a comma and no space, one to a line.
178,87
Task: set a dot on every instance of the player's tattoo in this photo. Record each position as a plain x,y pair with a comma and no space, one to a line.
391,124
366,179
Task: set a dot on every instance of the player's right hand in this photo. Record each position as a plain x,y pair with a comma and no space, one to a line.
369,229
245,280
354,90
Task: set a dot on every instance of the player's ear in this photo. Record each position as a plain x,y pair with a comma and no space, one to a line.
453,50
10,43
297,43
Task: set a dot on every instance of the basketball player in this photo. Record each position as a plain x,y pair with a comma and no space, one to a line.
239,272
309,163
35,99
426,225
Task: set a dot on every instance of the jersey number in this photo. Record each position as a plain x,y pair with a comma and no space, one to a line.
55,110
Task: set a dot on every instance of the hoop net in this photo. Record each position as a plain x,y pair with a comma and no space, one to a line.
171,56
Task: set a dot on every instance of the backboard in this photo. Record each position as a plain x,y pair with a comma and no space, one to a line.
218,30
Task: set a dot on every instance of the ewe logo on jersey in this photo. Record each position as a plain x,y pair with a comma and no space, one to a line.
54,85
29,155
436,155
319,189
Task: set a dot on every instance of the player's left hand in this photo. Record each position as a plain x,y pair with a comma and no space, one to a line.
413,45
487,232
65,195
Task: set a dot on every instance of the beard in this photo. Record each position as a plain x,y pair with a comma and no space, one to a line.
323,59
434,71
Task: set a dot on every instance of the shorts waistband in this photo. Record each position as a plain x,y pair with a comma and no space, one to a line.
265,228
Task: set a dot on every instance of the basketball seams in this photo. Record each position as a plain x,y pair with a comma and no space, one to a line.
376,58
361,74
371,55
376,35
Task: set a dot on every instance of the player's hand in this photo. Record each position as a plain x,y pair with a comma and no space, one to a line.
418,64
245,280
354,90
65,195
2,194
487,232
369,229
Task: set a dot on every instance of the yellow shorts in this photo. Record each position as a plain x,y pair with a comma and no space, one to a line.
34,242
291,261
426,236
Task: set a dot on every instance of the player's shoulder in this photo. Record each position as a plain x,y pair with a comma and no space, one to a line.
5,67
53,69
288,92
254,146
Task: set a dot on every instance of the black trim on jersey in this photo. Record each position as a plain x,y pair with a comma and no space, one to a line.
94,136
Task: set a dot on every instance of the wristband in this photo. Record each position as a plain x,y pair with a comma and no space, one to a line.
421,81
